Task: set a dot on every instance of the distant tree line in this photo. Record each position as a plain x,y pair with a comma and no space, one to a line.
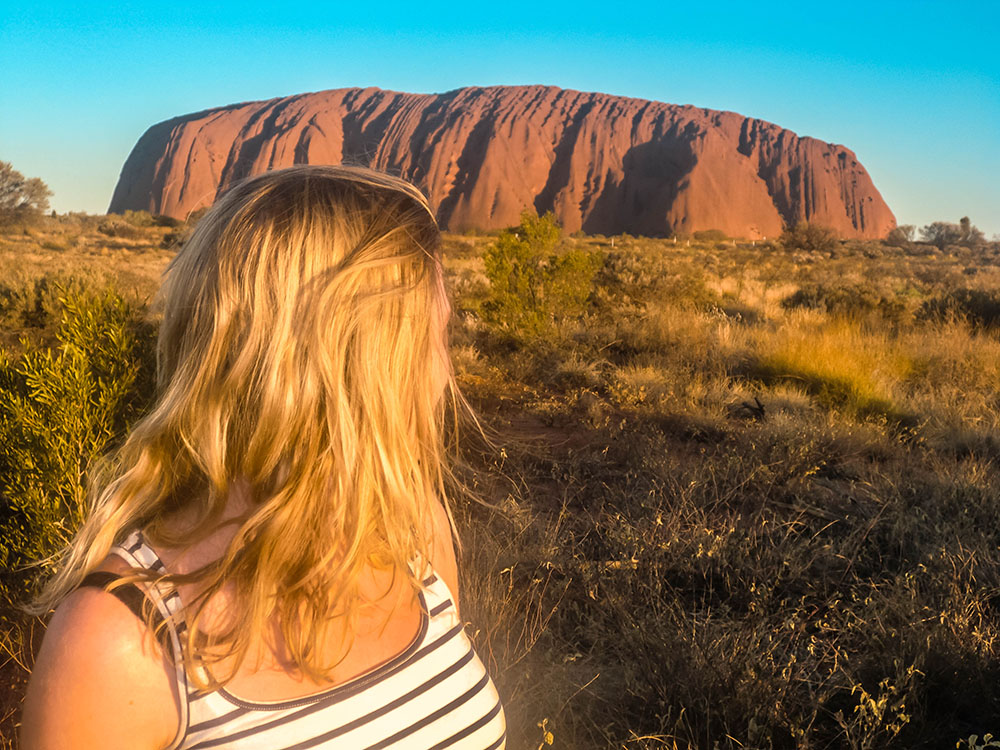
940,234
23,200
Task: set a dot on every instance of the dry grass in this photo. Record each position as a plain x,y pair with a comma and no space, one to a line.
778,525
719,520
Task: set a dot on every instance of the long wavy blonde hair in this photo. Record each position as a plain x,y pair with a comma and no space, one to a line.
302,353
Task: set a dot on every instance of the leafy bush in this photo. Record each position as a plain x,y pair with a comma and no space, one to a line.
14,300
195,216
115,227
710,235
687,289
37,304
160,220
534,288
55,246
631,281
173,240
810,238
146,219
820,297
138,218
60,409
978,307
944,233
847,301
901,236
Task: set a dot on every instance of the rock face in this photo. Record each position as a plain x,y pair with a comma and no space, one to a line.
604,164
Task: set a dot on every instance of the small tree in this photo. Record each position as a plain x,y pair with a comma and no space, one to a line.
533,287
941,234
901,235
809,237
944,233
21,198
971,234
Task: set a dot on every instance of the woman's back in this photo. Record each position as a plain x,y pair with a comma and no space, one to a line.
433,692
386,624
410,677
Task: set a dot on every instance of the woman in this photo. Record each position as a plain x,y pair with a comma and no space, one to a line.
267,562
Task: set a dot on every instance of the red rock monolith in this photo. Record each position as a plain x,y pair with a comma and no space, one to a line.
604,164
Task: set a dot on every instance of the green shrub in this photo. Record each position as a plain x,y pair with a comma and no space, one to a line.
138,218
900,236
195,216
980,308
60,409
710,235
836,300
687,288
173,240
160,220
14,301
37,304
533,287
628,281
115,227
45,306
855,301
810,238
146,219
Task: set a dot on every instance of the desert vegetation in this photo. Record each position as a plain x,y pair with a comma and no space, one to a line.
22,199
734,495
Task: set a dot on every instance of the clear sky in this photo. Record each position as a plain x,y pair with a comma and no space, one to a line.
912,87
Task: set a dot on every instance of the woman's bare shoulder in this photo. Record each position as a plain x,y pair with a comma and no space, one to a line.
99,681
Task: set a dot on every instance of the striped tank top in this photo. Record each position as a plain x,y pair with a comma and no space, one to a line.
435,694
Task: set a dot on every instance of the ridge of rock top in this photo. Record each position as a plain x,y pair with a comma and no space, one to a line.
604,164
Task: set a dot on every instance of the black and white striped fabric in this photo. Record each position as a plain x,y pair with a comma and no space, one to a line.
435,694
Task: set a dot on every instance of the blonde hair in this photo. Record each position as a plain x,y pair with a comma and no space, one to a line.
302,352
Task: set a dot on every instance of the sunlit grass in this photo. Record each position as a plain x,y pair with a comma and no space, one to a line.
841,364
716,519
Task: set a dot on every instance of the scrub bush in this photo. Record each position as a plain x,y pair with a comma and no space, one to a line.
710,235
980,308
534,288
61,408
809,238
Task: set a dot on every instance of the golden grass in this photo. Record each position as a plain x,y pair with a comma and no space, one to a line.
842,365
717,521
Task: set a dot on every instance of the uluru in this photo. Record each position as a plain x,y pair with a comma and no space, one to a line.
604,164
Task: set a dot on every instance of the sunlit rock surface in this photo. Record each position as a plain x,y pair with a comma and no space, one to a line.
604,164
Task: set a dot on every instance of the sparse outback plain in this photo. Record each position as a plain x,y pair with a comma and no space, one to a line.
730,494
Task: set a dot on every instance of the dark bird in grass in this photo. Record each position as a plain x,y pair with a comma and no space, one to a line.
754,410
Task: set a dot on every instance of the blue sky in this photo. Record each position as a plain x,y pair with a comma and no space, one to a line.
912,87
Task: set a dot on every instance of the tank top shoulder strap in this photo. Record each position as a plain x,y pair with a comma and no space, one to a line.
169,609
133,597
437,596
